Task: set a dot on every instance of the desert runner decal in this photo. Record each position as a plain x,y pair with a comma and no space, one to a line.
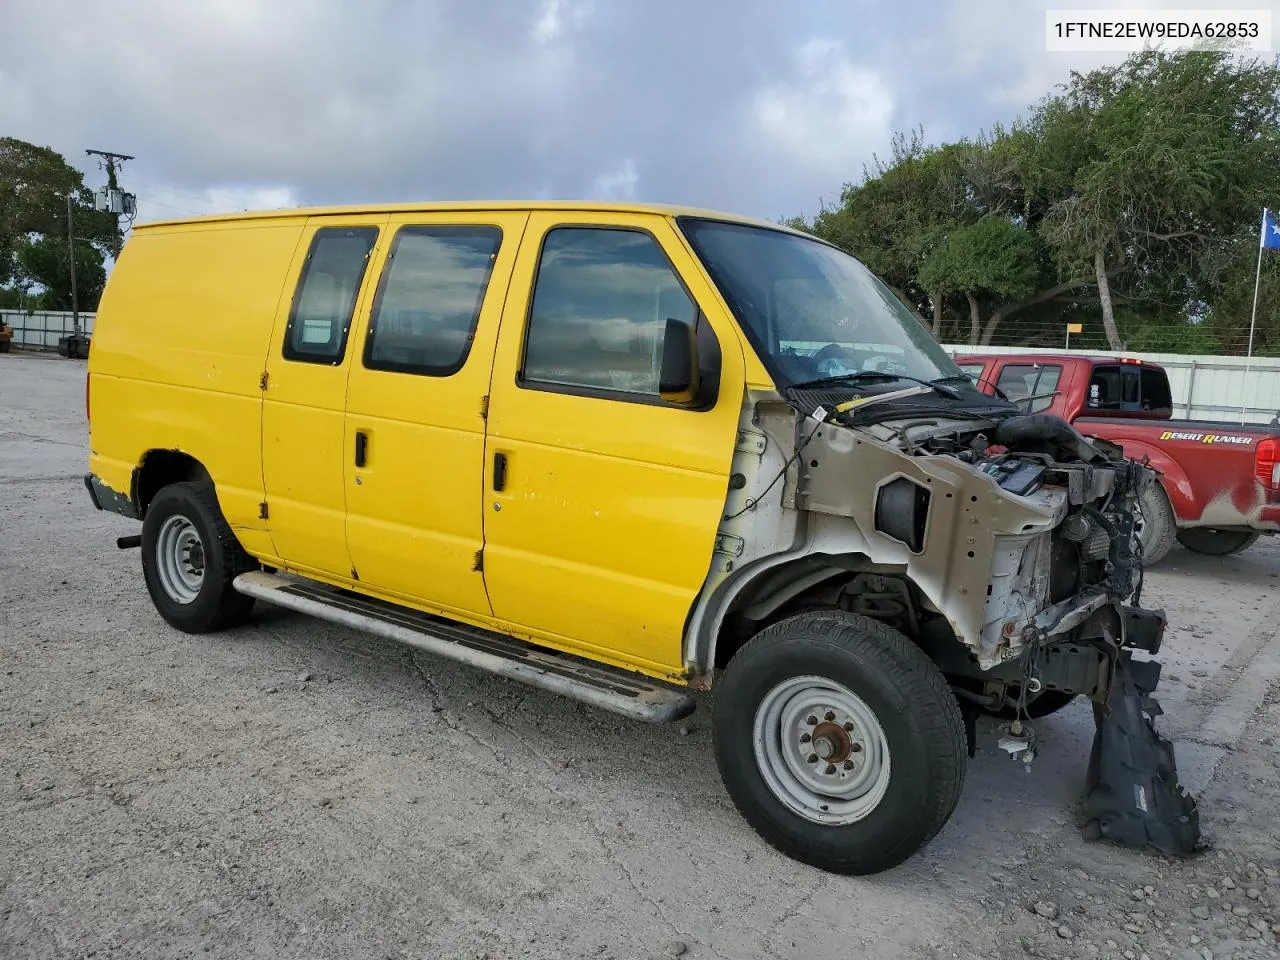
1206,437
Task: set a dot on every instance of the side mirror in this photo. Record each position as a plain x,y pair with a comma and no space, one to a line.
680,379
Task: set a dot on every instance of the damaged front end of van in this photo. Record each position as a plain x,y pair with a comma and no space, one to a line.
875,485
1003,544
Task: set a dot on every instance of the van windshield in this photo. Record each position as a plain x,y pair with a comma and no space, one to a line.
812,311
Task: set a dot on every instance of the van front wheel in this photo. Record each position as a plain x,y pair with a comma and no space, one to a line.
839,741
189,559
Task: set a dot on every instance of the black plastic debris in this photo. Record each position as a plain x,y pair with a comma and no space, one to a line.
1132,792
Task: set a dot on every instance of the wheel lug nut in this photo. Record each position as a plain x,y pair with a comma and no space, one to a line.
856,747
848,764
805,738
812,721
830,715
848,724
830,768
813,758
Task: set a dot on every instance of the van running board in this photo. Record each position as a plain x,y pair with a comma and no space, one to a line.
629,694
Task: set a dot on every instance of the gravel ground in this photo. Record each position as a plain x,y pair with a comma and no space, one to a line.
290,789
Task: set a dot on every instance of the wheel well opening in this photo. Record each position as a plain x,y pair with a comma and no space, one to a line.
887,596
158,469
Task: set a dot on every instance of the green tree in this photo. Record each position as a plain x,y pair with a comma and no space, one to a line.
1149,169
1127,199
992,258
35,183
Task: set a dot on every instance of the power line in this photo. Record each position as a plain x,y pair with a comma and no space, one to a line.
179,193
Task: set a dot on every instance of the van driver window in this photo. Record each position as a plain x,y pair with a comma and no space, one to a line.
326,296
600,306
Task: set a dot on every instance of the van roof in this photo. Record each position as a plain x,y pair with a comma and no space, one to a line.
669,210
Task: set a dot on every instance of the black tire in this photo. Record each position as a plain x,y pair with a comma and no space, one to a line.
1214,542
916,710
1159,524
215,604
1039,705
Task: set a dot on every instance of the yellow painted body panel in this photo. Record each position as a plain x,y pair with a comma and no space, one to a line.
180,337
303,431
607,523
414,512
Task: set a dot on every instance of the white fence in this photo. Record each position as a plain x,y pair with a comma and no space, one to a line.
1204,387
40,329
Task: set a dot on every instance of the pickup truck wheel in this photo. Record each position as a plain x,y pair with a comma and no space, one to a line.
839,741
1214,542
1158,525
189,559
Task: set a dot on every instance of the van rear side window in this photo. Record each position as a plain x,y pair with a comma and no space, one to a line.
429,299
326,296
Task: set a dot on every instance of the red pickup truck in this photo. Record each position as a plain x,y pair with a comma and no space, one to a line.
1220,482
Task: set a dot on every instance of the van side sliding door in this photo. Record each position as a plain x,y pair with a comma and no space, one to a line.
417,396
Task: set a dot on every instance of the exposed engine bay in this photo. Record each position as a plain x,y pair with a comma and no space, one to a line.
1006,545
1083,579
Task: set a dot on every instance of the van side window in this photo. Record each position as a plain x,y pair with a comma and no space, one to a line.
429,298
601,302
326,296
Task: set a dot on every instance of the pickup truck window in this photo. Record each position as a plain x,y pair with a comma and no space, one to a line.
429,299
600,307
973,371
1020,380
326,296
1129,387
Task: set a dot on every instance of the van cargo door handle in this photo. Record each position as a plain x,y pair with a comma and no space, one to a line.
362,447
499,471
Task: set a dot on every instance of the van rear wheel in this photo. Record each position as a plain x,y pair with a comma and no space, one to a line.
190,558
839,741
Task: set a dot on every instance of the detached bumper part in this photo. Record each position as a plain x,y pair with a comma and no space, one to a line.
1132,792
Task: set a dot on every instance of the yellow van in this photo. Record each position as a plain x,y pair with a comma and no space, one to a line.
627,453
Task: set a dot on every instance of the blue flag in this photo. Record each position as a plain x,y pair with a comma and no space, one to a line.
1270,231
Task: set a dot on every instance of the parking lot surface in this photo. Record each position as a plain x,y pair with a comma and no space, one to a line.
293,789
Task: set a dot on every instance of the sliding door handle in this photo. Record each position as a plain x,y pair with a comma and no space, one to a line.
362,448
499,472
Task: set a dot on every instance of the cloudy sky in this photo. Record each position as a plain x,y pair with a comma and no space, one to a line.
755,106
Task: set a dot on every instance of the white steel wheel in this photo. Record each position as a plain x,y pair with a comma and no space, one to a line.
180,559
821,750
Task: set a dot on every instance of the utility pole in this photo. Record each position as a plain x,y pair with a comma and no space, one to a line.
115,201
71,254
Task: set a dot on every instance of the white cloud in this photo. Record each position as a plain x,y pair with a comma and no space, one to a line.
617,184
228,199
830,113
729,105
555,16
